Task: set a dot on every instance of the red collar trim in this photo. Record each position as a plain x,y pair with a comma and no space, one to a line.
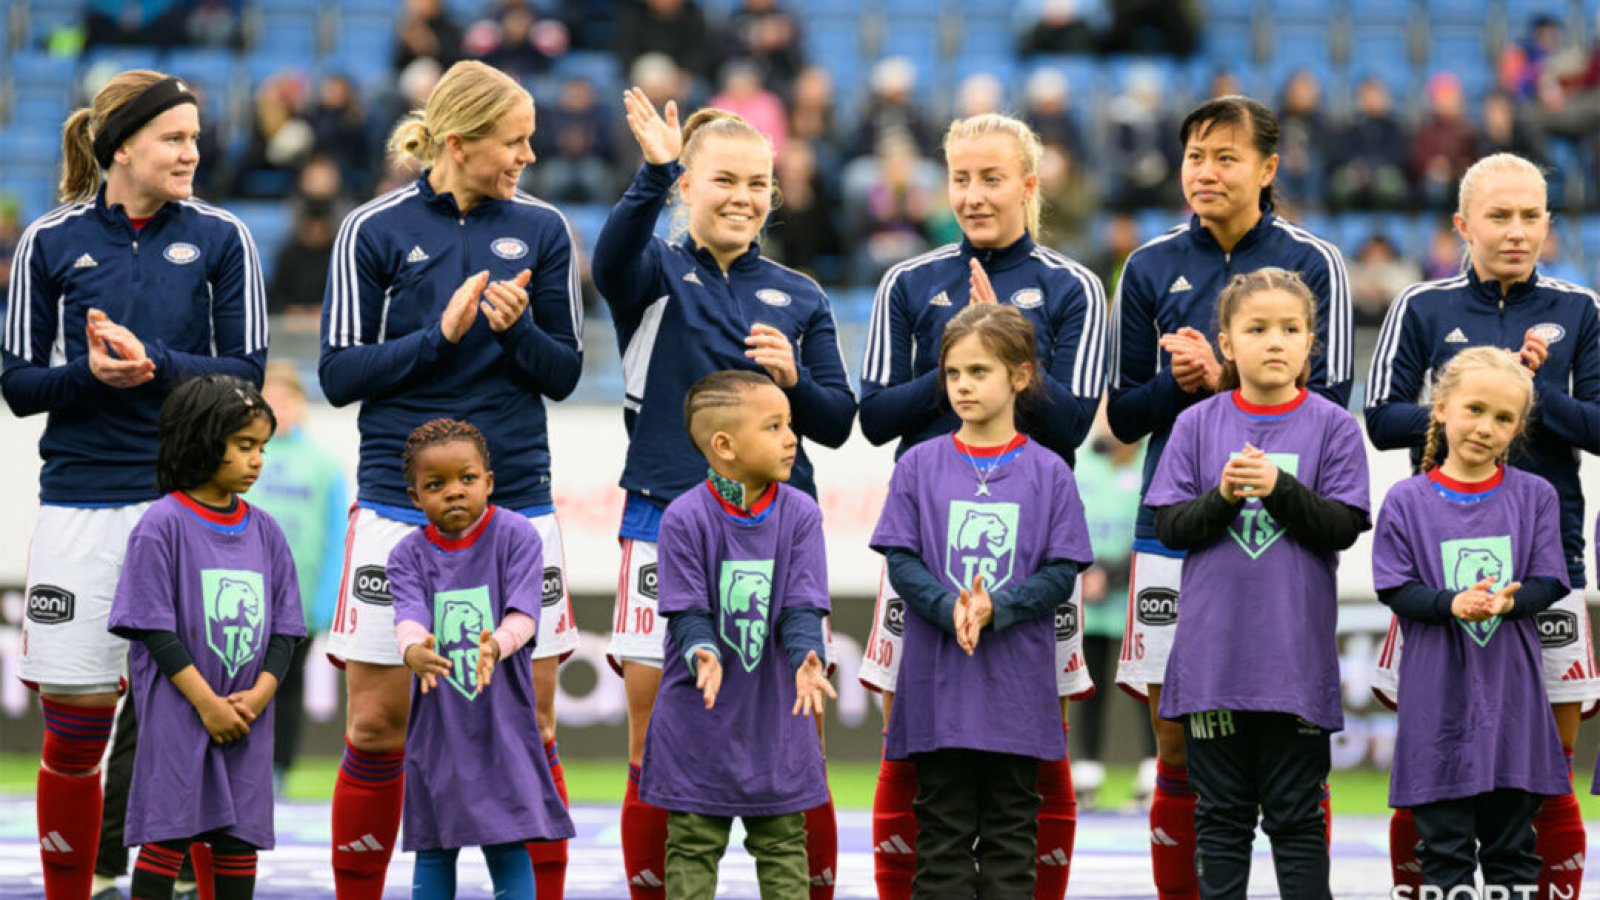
1256,409
762,504
139,223
450,545
211,515
1437,476
999,450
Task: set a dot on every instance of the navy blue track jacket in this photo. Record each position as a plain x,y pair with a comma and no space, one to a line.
187,285
396,263
679,318
902,393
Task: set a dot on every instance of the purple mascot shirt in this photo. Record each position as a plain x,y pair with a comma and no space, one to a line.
1258,611
1026,513
749,755
476,772
224,583
1474,716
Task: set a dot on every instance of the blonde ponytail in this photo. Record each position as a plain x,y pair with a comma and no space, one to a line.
469,101
80,173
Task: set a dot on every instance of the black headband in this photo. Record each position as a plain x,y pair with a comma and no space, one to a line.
132,116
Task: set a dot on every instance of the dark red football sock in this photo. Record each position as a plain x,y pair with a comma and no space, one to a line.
894,829
1172,835
69,797
822,849
549,858
1058,826
1403,840
367,801
644,843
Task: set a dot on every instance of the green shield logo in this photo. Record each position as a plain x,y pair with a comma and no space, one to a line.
981,540
236,615
1469,561
745,589
1254,530
458,618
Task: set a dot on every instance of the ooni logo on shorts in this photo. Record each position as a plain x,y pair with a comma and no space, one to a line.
1066,621
647,581
1557,628
746,591
981,541
1156,606
236,615
1470,561
48,604
372,585
552,586
894,616
459,617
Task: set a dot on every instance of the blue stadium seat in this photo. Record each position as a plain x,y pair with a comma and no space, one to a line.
1319,12
213,70
829,39
34,107
1384,56
269,223
1460,12
600,69
1589,237
1229,45
917,41
288,34
44,18
989,39
39,71
122,58
1390,13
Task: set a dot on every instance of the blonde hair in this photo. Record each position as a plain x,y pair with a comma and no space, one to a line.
469,101
1029,149
711,121
1267,279
1502,362
80,172
1496,164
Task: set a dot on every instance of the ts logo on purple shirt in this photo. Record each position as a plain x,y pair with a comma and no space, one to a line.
745,593
981,540
1255,529
459,617
1471,560
235,615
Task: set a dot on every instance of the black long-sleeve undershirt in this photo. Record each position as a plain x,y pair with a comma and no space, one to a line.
1415,600
1317,522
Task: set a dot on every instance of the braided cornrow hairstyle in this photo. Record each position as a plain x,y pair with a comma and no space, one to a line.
719,390
440,431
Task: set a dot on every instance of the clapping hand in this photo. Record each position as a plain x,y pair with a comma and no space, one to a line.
974,611
488,656
1194,363
428,665
1250,474
116,357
